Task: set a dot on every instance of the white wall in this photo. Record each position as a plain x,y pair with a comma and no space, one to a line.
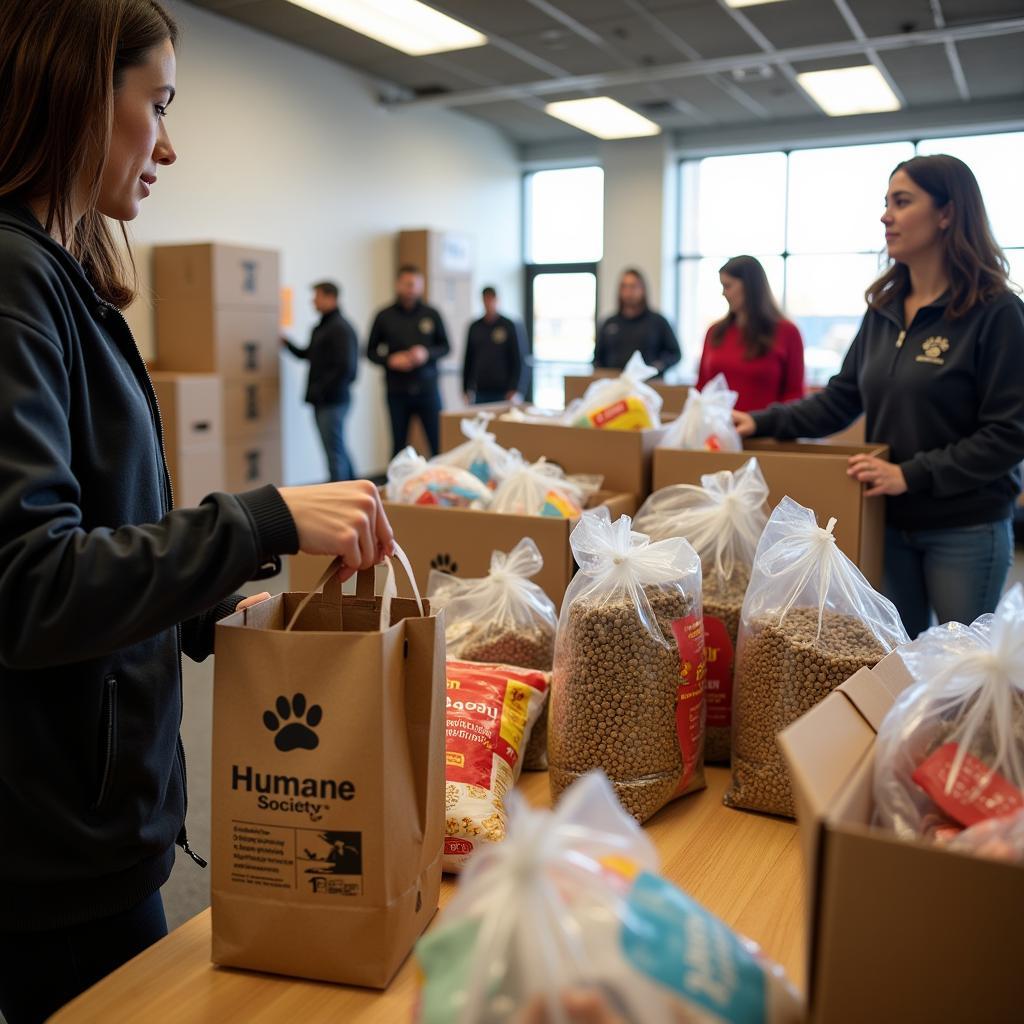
281,148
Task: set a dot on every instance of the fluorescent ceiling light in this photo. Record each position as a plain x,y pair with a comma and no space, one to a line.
842,91
748,3
604,117
405,25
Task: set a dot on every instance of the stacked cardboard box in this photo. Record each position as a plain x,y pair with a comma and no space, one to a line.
217,313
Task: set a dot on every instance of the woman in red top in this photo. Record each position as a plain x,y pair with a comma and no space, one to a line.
760,352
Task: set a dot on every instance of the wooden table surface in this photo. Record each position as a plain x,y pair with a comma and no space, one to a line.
743,867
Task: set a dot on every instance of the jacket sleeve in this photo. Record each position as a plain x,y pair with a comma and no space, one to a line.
468,361
71,593
337,364
793,379
668,347
299,353
827,412
375,340
517,359
997,446
351,353
197,633
440,347
703,372
601,347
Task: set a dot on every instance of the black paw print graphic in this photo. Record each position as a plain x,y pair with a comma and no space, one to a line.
444,563
294,735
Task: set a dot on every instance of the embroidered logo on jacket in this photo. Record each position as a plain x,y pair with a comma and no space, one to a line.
499,335
934,349
426,325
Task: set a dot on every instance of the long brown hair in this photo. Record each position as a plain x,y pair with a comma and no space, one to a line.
762,312
633,272
61,63
975,265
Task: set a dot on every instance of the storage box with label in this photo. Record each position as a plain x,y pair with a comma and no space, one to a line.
622,457
899,931
460,541
812,474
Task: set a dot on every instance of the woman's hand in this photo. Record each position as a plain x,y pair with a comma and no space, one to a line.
881,477
345,519
250,601
744,423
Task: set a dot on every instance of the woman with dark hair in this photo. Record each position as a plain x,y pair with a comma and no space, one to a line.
635,328
102,584
760,352
937,368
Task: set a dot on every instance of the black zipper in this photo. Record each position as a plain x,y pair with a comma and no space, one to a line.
109,740
154,410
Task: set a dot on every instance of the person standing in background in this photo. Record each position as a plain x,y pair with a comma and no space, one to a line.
937,368
408,338
760,352
635,328
495,362
333,356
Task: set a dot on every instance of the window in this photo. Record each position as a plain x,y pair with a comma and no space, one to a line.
812,218
563,241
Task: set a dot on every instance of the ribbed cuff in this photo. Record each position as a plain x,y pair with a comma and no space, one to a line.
222,609
765,422
275,527
917,476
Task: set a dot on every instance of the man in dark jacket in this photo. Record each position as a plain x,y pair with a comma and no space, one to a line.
408,338
494,365
333,355
635,328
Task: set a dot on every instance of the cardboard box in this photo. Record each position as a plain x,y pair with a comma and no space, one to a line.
622,457
252,409
232,342
812,473
196,472
673,396
460,541
212,274
251,464
190,408
898,931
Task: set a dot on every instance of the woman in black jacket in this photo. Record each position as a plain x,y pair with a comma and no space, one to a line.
102,585
937,368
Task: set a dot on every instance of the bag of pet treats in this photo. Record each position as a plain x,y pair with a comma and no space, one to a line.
810,620
723,520
414,481
481,455
504,617
628,689
490,713
950,753
706,421
542,489
619,403
568,922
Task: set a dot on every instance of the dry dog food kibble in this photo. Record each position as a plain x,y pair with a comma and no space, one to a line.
615,701
784,671
723,601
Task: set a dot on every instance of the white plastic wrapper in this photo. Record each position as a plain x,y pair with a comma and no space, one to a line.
481,455
706,420
568,922
542,489
625,402
414,481
950,753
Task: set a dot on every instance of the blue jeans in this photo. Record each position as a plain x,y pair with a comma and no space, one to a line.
41,971
954,575
330,421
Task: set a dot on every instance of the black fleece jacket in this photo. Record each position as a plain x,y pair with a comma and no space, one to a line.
101,587
946,396
333,355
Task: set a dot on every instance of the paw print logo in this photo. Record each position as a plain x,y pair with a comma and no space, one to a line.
935,347
444,563
289,735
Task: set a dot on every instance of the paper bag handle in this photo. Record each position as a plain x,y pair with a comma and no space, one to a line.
364,588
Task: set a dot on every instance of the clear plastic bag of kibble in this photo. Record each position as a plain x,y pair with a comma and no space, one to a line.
950,752
480,455
810,620
723,520
628,688
568,922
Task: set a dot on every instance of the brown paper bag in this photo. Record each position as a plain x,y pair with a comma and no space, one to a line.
328,783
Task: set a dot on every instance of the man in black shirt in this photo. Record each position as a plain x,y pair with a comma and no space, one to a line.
635,328
408,338
333,355
494,366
